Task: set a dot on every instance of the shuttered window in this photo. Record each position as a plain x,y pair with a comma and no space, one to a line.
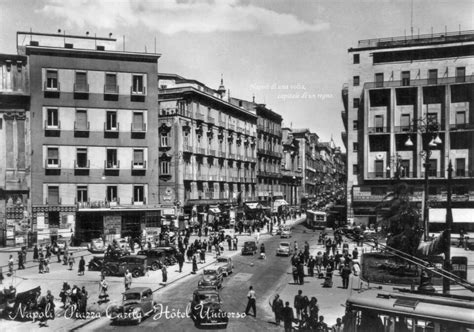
53,195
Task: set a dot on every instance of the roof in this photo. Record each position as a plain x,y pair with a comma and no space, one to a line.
206,291
136,290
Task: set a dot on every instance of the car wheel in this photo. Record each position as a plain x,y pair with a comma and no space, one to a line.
155,266
136,273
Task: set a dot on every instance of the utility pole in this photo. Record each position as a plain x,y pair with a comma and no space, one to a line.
449,224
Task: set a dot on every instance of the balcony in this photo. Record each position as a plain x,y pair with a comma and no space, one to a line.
201,151
231,126
51,89
111,131
81,91
404,129
138,165
52,130
221,154
138,201
211,120
222,124
53,201
377,130
241,130
137,94
232,156
421,82
199,116
212,153
188,149
463,173
138,130
111,167
81,167
81,129
52,166
461,126
111,92
188,176
433,174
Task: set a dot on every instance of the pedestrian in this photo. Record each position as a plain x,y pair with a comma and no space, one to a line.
41,263
288,317
298,303
180,259
355,254
164,273
295,274
103,287
251,304
195,266
83,303
229,242
58,253
321,326
82,266
128,280
301,272
345,273
313,310
35,253
10,265
262,251
319,262
295,246
46,265
277,308
235,242
21,265
310,265
71,261
338,327
202,255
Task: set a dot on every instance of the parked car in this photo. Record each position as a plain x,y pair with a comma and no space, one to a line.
137,303
284,249
206,309
285,232
250,247
212,276
137,265
18,306
97,262
97,245
226,263
159,256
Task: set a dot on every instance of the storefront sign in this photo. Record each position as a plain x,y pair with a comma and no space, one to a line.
112,224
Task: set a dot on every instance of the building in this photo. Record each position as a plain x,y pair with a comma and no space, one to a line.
94,137
207,149
14,150
309,160
409,104
291,168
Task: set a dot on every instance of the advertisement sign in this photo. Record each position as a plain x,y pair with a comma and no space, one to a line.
112,224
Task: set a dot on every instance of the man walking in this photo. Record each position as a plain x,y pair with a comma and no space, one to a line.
288,317
128,280
180,259
252,299
345,273
298,303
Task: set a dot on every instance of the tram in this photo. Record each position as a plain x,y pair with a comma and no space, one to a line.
316,219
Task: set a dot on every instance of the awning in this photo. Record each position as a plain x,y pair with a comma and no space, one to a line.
214,210
279,202
459,215
253,205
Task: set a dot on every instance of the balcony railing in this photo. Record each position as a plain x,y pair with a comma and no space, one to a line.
50,201
212,152
111,89
138,127
200,150
138,164
51,163
82,126
109,128
231,126
111,164
199,116
52,126
222,124
81,88
433,174
210,119
188,148
82,165
461,126
373,130
52,87
138,202
221,154
404,129
98,204
420,82
463,173
135,91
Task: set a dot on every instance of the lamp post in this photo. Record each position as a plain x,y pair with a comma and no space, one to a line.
449,224
395,162
428,127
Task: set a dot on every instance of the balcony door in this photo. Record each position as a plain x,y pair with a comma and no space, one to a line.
433,76
460,166
379,171
378,121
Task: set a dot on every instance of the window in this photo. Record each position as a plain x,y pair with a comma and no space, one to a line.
355,102
460,74
433,76
405,122
111,83
379,171
356,58
461,118
112,193
355,169
81,120
355,146
138,158
81,82
460,166
111,118
52,115
53,218
404,168
186,138
81,161
112,158
53,195
137,84
82,194
165,167
52,80
432,117
379,80
164,139
137,122
138,193
355,125
405,78
433,167
53,157
356,80
378,121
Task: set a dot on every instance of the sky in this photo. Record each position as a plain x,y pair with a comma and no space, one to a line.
291,55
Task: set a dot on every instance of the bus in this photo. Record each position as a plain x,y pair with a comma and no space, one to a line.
316,219
403,310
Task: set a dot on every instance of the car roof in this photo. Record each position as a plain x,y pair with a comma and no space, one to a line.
285,243
137,290
249,242
136,256
222,257
212,267
206,291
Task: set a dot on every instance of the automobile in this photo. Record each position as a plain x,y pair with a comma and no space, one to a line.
97,262
284,249
62,244
250,247
285,233
226,263
206,309
19,306
159,256
137,303
137,265
97,245
123,244
212,276
279,229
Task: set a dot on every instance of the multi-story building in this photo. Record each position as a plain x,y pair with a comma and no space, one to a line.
94,137
207,148
309,183
405,95
291,168
14,150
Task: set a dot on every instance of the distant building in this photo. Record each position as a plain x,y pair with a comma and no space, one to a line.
94,137
291,168
397,85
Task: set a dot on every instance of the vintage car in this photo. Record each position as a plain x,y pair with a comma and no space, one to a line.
284,249
97,245
137,303
212,276
137,265
250,247
97,262
226,263
206,309
159,256
19,306
285,232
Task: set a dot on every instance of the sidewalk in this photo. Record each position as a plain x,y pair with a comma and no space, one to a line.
27,279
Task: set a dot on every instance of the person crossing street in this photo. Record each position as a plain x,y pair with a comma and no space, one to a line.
251,304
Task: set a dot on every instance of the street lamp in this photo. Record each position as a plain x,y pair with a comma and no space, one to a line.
430,128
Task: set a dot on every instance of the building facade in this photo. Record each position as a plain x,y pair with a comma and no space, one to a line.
94,137
14,151
208,153
409,110
291,168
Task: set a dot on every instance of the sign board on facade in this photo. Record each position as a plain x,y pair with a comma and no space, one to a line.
112,224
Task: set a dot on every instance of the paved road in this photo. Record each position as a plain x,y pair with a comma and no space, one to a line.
265,276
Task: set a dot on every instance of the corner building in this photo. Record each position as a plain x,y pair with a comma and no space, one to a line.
397,84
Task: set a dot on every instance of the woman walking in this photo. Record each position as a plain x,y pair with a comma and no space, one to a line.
82,266
195,266
164,273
